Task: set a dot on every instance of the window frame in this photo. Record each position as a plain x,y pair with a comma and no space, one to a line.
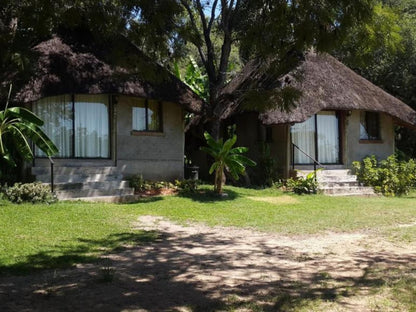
72,102
369,138
146,106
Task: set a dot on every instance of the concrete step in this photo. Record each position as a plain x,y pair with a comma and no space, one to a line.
102,185
77,170
79,178
348,191
339,182
332,178
65,194
334,172
344,183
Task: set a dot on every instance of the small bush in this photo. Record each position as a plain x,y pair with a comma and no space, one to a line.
29,192
303,185
137,182
187,186
390,177
141,185
279,184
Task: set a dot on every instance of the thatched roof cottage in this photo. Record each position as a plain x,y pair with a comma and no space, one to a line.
340,116
109,121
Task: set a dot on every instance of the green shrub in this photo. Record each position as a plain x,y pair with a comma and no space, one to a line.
187,186
29,192
389,177
141,185
137,182
303,185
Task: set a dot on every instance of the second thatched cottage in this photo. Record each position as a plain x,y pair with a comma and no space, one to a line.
339,118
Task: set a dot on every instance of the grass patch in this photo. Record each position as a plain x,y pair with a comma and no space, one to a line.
36,236
302,214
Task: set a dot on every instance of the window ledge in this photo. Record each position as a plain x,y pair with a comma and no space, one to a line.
371,141
146,133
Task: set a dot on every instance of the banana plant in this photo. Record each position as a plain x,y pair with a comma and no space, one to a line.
19,126
194,78
226,158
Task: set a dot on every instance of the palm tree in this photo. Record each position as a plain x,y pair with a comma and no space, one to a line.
19,126
226,158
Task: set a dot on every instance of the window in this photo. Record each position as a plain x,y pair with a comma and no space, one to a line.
147,116
369,126
78,125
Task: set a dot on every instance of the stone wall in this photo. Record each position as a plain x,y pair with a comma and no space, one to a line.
157,156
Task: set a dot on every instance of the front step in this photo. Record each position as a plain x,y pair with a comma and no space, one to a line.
58,170
85,182
339,182
348,191
79,178
66,194
102,185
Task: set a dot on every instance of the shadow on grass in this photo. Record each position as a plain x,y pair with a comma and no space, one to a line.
84,250
209,196
144,200
169,273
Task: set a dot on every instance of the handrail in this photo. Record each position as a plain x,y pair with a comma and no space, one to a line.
315,162
310,157
52,163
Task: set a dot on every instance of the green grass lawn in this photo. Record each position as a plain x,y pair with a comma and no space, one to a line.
59,235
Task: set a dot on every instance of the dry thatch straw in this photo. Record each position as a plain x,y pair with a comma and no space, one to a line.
325,84
63,68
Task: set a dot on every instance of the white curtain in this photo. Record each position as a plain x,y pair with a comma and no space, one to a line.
139,114
303,135
328,138
153,112
91,126
56,112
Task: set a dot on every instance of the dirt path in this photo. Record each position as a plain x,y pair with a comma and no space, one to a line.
198,268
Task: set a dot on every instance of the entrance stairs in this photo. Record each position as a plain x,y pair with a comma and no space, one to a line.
339,182
85,183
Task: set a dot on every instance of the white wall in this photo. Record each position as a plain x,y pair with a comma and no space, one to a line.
357,150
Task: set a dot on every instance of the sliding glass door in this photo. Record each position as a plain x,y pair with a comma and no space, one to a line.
328,137
78,125
57,115
303,135
91,127
317,137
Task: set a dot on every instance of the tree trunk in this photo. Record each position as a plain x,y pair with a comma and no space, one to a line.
219,177
214,128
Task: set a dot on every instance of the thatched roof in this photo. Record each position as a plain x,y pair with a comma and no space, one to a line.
62,68
327,84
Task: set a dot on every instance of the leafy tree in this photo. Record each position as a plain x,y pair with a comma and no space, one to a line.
26,23
368,42
273,30
260,29
226,158
388,58
18,125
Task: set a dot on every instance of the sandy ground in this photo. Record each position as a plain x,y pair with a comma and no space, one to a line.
198,268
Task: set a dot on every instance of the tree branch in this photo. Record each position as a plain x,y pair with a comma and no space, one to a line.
212,19
191,17
227,26
210,64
